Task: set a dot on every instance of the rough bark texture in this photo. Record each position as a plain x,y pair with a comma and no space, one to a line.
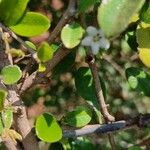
20,117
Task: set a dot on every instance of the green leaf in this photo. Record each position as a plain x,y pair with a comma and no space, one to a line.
80,117
138,80
84,5
3,95
47,128
30,44
82,143
114,15
7,117
41,67
71,35
85,88
12,10
11,74
45,52
31,24
145,13
142,31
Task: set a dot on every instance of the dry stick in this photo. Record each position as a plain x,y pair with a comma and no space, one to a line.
99,94
9,144
139,121
70,12
26,46
37,77
98,89
20,117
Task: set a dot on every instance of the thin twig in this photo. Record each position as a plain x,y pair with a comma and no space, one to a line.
40,77
98,89
137,122
110,60
17,38
70,12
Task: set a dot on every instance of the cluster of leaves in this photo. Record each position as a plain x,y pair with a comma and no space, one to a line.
113,16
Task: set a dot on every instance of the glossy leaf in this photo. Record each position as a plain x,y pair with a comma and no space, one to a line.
3,95
31,24
45,52
85,87
47,128
80,117
71,35
11,74
12,10
138,80
7,117
115,15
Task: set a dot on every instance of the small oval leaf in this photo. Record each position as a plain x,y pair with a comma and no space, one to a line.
71,35
47,128
80,117
138,80
45,52
7,117
115,15
31,24
11,74
12,10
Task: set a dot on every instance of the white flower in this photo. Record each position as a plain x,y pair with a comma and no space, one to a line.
95,39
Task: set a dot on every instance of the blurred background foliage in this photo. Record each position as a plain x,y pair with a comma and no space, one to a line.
60,96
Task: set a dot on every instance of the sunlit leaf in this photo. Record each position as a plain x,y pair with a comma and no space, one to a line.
47,128
45,52
79,117
115,15
71,35
11,74
31,24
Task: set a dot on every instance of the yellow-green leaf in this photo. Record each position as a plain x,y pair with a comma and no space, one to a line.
31,24
47,128
45,52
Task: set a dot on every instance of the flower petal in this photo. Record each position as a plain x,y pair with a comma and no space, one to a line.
86,41
104,43
92,31
95,46
101,33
